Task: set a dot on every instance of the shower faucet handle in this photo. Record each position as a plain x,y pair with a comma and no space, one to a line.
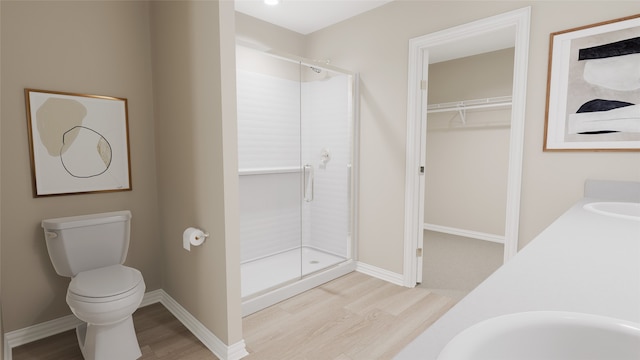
325,157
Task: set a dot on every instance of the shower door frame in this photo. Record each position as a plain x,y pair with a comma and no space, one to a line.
253,303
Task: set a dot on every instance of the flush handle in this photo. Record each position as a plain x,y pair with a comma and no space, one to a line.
50,234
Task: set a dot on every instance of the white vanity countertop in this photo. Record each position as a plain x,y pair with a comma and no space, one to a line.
583,262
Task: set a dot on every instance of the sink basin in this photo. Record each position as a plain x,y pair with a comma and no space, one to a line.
625,210
548,335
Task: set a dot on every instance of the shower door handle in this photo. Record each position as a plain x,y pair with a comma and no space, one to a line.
308,183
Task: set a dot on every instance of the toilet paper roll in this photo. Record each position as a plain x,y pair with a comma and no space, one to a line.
193,236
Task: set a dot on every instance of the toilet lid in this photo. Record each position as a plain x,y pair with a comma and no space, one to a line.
105,281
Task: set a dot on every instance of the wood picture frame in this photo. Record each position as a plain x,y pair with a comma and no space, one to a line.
78,143
593,88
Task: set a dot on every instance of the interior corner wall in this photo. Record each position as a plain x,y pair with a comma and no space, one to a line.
194,93
89,47
1,326
229,137
265,36
374,44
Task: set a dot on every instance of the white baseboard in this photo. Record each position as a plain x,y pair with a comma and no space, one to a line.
220,349
380,273
29,334
465,233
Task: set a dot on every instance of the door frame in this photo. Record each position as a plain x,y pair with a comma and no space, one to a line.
416,134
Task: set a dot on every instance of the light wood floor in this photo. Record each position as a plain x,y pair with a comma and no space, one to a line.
353,317
160,334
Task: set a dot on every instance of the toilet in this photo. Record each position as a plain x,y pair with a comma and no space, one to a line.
103,293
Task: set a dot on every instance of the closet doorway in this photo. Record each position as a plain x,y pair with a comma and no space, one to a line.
465,125
466,168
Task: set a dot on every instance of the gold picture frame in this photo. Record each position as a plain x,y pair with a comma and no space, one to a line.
592,102
78,143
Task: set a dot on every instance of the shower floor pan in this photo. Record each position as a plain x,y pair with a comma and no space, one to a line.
269,272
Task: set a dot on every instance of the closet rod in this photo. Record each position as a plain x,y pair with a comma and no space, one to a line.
501,101
491,125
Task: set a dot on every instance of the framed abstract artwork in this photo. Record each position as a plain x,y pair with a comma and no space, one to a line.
79,143
593,88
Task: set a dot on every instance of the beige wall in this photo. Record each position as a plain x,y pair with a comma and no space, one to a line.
194,91
264,36
83,47
467,164
375,44
472,77
257,61
1,322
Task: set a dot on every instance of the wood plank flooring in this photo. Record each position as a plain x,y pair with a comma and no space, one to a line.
351,318
160,335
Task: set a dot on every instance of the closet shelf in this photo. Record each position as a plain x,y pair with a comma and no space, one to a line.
494,102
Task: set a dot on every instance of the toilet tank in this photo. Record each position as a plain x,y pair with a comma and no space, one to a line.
86,242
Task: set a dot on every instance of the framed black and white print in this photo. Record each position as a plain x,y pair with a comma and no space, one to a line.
78,143
593,87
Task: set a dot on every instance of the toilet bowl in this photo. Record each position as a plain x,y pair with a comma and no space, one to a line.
105,299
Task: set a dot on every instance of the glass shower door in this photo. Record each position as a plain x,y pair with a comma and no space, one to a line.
326,148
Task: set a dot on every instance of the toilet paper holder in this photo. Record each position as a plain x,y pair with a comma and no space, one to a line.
204,235
193,236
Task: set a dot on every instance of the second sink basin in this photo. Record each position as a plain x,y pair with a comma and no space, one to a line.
625,210
548,335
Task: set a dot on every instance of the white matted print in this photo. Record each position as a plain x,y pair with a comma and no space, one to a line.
593,90
79,143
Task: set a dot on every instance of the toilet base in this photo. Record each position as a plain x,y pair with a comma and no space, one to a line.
109,342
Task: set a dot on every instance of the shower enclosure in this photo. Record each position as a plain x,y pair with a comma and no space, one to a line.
296,169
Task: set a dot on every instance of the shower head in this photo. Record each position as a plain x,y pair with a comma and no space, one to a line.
315,69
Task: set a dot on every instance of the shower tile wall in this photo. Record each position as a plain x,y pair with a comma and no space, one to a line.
269,137
325,106
268,121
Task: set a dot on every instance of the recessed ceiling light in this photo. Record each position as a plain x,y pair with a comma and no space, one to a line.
272,2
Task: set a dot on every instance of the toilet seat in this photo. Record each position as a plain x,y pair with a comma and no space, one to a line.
105,284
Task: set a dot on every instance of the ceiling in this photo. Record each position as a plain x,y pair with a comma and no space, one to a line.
306,16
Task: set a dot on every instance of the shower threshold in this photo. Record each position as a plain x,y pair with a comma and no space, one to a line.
271,271
271,279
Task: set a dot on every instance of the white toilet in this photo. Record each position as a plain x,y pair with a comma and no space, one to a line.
103,293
